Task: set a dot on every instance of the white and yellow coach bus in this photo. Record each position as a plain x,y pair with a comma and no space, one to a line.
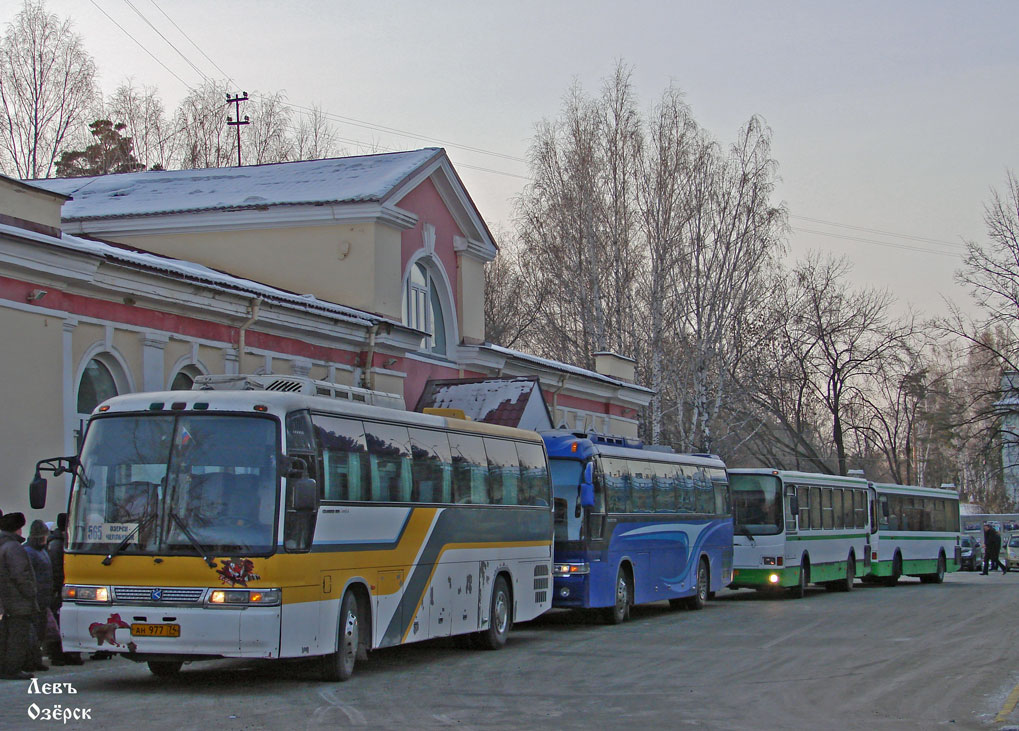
257,524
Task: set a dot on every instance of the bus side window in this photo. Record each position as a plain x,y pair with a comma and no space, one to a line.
470,469
535,488
344,457
431,466
665,487
721,487
642,487
815,508
390,459
503,472
299,527
617,484
803,498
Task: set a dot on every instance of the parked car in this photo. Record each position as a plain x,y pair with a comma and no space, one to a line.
972,527
972,554
1012,551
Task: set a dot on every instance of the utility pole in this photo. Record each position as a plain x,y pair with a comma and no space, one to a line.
236,101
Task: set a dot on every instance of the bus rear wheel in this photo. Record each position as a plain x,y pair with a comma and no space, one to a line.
500,618
164,668
700,597
847,584
938,576
896,571
339,666
620,611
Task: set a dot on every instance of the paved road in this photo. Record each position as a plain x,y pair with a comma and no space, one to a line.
915,656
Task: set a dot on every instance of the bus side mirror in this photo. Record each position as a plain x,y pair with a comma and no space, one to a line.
37,492
303,494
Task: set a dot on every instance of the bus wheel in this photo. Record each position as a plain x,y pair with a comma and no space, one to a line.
500,618
164,668
847,585
939,575
896,571
339,666
620,611
800,590
700,598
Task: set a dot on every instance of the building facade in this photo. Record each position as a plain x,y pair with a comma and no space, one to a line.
365,271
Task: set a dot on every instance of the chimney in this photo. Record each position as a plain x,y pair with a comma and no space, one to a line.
615,366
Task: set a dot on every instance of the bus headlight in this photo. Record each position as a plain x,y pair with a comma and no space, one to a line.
92,594
773,578
243,597
571,569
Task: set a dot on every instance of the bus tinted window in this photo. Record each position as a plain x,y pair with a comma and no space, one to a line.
432,467
815,508
617,484
642,485
860,508
721,488
836,506
344,457
803,498
470,469
534,485
390,460
665,477
503,472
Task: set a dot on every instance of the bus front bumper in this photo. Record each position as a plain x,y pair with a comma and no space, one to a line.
149,629
763,578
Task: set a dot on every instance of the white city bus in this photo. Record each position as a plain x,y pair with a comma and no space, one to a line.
260,524
915,533
791,529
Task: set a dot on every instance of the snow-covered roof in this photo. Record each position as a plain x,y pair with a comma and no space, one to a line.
516,402
563,367
191,271
362,178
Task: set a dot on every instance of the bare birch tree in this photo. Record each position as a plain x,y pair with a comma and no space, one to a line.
268,137
141,110
203,139
314,137
47,88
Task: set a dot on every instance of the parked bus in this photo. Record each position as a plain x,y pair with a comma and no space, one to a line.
636,524
916,533
257,524
792,529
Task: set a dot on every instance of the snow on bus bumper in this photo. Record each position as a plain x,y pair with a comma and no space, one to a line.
151,629
757,578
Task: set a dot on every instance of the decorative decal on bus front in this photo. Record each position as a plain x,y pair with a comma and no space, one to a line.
107,631
237,571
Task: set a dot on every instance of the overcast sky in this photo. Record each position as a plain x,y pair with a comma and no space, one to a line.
891,121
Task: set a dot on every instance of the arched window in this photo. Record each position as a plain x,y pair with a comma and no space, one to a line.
422,307
185,377
97,384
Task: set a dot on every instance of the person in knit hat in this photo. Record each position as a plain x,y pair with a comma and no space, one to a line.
18,595
35,546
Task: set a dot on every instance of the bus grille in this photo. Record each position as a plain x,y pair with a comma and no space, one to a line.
147,594
540,583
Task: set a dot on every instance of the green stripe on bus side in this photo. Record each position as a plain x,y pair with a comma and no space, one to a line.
931,537
790,576
827,537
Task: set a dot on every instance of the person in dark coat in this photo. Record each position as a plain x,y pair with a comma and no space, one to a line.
35,546
55,548
992,550
18,594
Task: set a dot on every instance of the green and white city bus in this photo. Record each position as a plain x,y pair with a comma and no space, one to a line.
915,532
792,529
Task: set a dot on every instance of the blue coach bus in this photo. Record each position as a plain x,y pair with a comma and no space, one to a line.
636,524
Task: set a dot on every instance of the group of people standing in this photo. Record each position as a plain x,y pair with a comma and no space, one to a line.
31,582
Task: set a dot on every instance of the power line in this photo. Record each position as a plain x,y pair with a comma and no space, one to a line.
141,46
167,40
181,31
879,231
889,244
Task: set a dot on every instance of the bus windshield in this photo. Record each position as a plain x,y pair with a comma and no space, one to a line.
757,504
176,484
565,486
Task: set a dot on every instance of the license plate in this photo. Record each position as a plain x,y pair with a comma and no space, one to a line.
155,630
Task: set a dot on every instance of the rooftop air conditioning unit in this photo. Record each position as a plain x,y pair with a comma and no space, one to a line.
298,384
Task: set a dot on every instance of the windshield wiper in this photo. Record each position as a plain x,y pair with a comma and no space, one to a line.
194,542
743,530
127,539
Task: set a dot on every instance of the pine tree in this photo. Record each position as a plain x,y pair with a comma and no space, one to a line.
110,153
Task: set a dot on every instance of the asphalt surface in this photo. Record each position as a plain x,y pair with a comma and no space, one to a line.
912,657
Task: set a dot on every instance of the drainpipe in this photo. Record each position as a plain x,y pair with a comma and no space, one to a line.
368,375
555,395
256,305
